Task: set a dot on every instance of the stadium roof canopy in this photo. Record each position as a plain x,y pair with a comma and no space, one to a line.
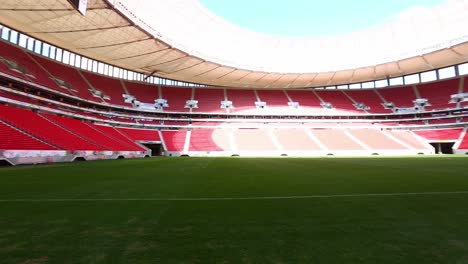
182,40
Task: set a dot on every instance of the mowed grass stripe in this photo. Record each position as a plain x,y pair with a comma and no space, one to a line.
224,177
235,198
408,210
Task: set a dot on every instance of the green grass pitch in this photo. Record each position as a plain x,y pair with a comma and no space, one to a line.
237,210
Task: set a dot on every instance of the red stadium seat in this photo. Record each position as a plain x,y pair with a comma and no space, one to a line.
15,139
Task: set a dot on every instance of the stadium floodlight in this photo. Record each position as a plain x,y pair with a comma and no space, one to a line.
15,67
389,105
128,98
260,105
327,105
421,102
160,103
294,105
361,106
408,110
226,105
99,93
144,106
62,83
191,104
457,98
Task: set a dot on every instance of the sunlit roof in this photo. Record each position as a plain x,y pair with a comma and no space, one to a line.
189,26
182,40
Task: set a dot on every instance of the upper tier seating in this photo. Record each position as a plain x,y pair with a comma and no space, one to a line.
242,99
34,73
109,86
438,93
306,99
69,75
369,98
176,98
13,139
42,128
339,100
145,93
401,97
273,98
42,71
209,100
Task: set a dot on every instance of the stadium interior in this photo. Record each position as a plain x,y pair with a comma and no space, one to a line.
156,131
56,111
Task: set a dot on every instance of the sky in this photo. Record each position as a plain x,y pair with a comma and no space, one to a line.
312,18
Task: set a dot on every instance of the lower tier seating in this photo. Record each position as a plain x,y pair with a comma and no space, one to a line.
47,131
89,133
116,136
295,140
464,142
440,134
174,140
140,134
285,140
376,139
202,140
336,139
14,139
22,129
25,129
408,138
253,140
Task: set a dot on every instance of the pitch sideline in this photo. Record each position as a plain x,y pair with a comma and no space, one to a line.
234,198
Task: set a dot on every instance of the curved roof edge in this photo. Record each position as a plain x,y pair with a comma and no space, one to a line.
179,23
112,34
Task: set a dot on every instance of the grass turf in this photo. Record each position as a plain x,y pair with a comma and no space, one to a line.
429,228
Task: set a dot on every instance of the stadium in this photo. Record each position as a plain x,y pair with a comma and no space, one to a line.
160,132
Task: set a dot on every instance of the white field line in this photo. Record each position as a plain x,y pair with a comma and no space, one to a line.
234,198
